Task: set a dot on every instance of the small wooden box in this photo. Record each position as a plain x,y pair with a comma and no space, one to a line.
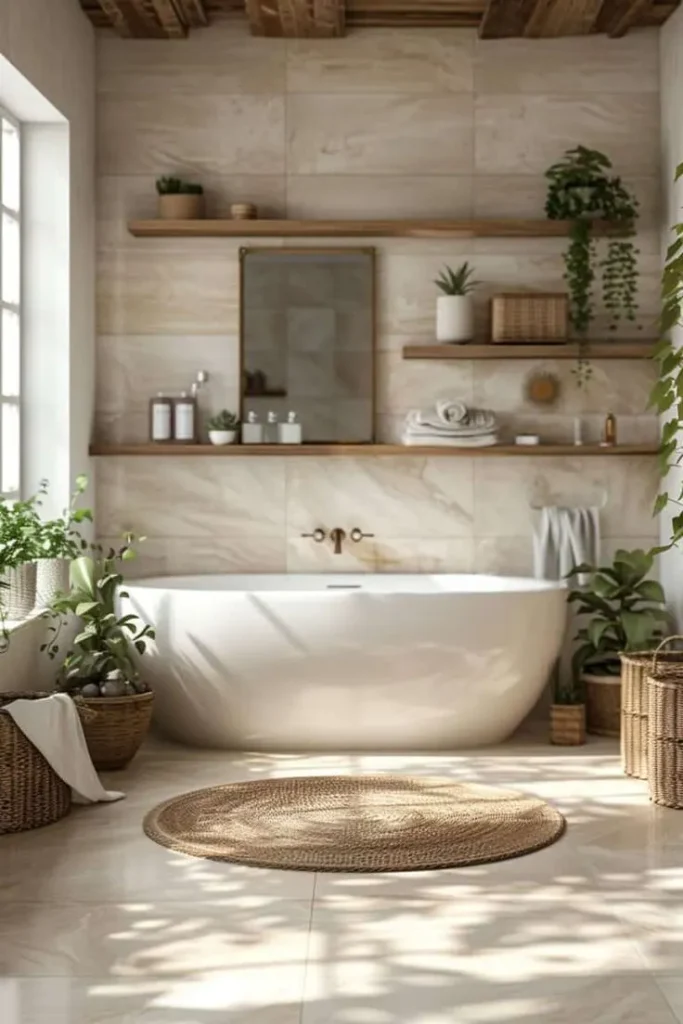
529,316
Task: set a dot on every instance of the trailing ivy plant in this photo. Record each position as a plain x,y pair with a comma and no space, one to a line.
667,394
581,190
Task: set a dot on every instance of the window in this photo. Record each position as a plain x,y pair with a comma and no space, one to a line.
10,305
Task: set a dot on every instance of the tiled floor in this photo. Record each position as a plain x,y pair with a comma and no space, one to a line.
98,924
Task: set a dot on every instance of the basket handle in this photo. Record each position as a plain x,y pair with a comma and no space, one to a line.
661,646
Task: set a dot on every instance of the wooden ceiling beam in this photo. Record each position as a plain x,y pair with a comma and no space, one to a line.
297,19
194,13
505,18
553,18
131,20
170,18
616,17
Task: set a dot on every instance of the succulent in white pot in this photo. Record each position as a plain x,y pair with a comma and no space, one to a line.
223,427
455,308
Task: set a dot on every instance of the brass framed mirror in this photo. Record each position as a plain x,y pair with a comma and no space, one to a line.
307,341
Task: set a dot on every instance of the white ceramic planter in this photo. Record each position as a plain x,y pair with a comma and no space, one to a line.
52,577
222,436
454,318
19,597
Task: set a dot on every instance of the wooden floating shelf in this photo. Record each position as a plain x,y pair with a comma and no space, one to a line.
357,228
570,350
355,450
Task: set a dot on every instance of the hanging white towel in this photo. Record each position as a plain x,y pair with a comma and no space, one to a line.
563,538
53,726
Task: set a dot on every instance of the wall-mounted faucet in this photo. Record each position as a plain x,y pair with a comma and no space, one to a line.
337,536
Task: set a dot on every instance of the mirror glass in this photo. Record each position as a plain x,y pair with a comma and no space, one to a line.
307,340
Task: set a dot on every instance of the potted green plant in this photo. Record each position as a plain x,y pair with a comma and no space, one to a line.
567,711
20,528
454,308
59,542
622,611
582,190
223,427
100,668
179,199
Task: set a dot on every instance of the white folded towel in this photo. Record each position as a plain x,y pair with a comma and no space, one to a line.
475,423
53,726
450,410
437,440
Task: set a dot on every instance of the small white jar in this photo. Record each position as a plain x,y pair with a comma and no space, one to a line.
222,436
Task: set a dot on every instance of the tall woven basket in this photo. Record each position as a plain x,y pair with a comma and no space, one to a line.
31,792
116,729
665,733
636,667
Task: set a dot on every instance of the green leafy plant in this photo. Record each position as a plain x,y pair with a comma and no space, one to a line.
101,661
20,533
60,538
667,394
581,190
224,420
169,186
625,612
456,282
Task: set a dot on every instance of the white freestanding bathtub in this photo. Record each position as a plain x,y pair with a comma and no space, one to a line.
362,662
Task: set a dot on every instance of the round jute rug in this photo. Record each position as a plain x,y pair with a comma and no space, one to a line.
365,823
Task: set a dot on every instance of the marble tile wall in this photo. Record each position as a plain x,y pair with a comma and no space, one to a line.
386,123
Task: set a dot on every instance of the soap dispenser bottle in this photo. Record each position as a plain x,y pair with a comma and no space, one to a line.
185,419
271,432
290,432
252,430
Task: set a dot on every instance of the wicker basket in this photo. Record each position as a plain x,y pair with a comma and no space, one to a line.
665,739
636,666
603,704
116,730
567,725
528,316
31,792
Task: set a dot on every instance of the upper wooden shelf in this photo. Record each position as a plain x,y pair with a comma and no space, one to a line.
499,350
355,228
296,450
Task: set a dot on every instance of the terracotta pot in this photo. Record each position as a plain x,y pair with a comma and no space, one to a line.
567,724
603,704
181,206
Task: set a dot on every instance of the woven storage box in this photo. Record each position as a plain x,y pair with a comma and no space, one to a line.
31,792
527,317
116,729
636,667
665,739
567,725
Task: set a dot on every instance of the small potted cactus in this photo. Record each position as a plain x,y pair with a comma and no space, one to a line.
179,199
223,427
100,670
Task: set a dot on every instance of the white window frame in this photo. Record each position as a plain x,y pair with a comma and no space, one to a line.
15,215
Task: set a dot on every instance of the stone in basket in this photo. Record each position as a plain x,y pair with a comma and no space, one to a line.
101,670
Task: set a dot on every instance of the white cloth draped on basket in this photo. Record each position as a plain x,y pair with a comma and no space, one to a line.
450,423
54,727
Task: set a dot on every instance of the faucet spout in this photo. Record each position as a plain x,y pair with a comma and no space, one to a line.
337,536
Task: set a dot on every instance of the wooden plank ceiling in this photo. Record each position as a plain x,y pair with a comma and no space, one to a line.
494,19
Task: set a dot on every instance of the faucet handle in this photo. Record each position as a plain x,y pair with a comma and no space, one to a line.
318,535
358,535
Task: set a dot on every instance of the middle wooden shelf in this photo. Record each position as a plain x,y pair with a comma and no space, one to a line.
501,350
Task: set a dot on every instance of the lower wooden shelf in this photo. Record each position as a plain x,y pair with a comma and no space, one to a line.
355,450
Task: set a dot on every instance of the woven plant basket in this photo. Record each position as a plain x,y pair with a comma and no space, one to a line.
19,598
567,725
31,792
665,731
524,316
52,577
603,704
636,666
115,732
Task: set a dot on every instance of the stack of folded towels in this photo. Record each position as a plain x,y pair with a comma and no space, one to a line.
451,423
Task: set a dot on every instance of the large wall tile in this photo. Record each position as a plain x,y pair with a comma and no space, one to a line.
191,135
525,134
178,556
151,289
225,61
389,197
574,65
385,556
406,384
191,497
390,497
329,134
383,61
